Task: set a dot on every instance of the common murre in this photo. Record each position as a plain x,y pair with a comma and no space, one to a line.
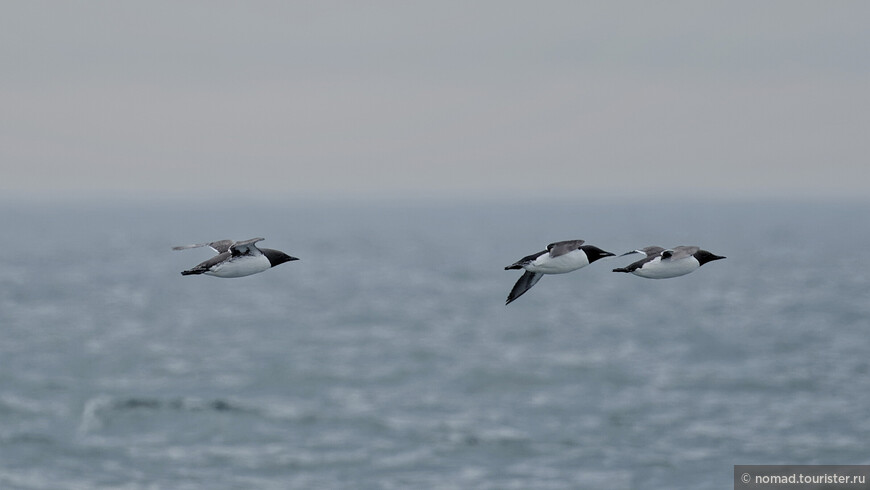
666,263
559,258
236,259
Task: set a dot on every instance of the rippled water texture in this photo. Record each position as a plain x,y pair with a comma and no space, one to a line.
386,357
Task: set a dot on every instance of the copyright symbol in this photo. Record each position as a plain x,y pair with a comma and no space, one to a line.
746,478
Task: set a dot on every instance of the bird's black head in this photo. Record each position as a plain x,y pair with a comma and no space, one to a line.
594,253
276,257
704,256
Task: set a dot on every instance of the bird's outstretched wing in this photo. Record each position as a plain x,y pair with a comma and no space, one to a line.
561,248
651,252
680,252
219,246
246,247
525,282
525,260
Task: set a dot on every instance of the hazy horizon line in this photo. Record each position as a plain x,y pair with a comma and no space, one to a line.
415,195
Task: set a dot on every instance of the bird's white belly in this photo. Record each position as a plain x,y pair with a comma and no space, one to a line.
663,269
571,261
241,266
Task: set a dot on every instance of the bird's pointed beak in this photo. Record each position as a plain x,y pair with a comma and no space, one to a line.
717,257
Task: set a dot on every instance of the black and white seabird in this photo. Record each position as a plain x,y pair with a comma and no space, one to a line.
662,263
236,259
559,258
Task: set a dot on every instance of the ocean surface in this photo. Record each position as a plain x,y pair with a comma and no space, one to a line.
386,359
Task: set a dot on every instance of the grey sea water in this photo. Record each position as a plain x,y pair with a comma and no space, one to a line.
386,358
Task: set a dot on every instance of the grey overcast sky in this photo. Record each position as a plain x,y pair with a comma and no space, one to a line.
728,98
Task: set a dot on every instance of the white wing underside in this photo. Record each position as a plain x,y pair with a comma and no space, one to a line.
219,246
244,247
678,253
561,248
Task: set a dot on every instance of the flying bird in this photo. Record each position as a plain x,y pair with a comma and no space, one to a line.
662,264
559,258
236,259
